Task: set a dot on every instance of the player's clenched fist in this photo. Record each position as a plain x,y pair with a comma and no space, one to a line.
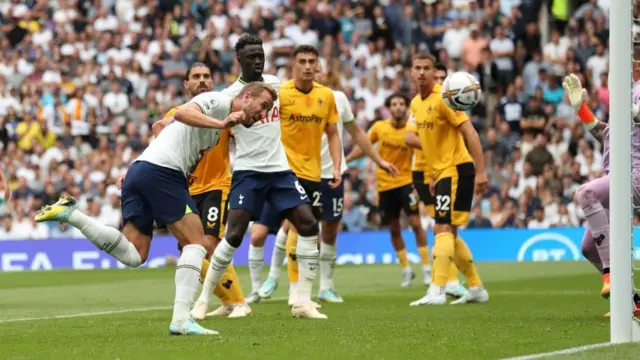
234,118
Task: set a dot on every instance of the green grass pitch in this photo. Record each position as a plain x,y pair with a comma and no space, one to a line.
125,314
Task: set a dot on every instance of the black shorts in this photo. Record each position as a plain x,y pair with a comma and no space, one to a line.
212,206
391,202
314,191
423,189
454,195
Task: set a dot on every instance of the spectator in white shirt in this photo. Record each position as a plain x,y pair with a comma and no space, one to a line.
453,39
116,102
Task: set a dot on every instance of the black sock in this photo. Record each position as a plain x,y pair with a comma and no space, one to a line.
605,271
636,297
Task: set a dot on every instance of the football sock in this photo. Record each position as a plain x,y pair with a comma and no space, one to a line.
307,255
598,221
187,276
327,265
256,263
606,271
292,263
402,258
220,260
443,251
453,275
279,254
106,238
229,289
424,254
464,260
590,250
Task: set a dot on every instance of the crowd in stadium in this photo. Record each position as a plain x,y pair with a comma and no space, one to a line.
81,82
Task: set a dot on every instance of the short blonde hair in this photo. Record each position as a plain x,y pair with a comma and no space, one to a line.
256,88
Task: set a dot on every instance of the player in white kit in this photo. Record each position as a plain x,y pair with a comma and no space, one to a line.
332,204
261,174
155,189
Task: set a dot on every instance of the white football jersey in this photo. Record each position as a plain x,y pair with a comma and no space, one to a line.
180,146
346,116
259,147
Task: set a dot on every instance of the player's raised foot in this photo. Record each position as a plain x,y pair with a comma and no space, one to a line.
59,211
407,277
476,294
308,311
240,310
427,275
268,287
330,296
456,290
253,298
222,310
191,327
636,311
606,286
435,296
199,310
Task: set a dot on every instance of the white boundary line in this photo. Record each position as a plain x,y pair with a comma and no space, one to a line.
569,351
107,312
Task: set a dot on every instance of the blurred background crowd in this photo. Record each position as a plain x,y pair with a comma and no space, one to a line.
82,80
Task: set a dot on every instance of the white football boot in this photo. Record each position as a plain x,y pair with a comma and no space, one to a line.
293,296
308,311
223,310
427,272
240,310
407,277
476,294
435,296
199,311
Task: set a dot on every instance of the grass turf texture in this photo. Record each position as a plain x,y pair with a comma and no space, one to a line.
534,307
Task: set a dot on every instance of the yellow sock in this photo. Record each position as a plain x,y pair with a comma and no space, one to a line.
204,269
424,254
292,262
402,256
229,290
464,260
453,272
443,251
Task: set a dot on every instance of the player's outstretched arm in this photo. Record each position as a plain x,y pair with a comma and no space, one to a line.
475,148
335,149
365,147
192,115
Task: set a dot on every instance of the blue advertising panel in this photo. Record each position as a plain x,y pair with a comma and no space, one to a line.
353,248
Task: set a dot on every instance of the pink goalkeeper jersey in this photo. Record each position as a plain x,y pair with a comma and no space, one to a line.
635,140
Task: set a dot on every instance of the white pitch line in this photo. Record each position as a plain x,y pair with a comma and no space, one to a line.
569,351
102,313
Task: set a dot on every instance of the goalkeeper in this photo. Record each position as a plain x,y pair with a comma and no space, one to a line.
593,196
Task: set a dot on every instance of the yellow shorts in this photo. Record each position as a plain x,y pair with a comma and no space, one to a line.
212,206
454,195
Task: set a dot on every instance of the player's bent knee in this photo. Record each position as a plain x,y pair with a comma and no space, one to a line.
139,240
442,228
585,195
308,226
414,223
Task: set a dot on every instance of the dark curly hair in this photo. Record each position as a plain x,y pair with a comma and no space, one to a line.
246,40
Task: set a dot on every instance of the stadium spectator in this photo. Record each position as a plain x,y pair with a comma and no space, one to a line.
81,81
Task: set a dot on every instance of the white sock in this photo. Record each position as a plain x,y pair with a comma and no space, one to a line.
307,254
279,254
187,280
256,263
453,283
220,260
293,287
327,264
106,238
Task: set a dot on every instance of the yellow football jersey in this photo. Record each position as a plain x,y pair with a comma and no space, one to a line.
392,148
436,124
303,118
213,172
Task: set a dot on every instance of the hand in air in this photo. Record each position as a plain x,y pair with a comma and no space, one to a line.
481,183
575,92
389,168
337,179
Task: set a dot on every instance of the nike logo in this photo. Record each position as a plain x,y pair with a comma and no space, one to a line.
599,239
303,197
